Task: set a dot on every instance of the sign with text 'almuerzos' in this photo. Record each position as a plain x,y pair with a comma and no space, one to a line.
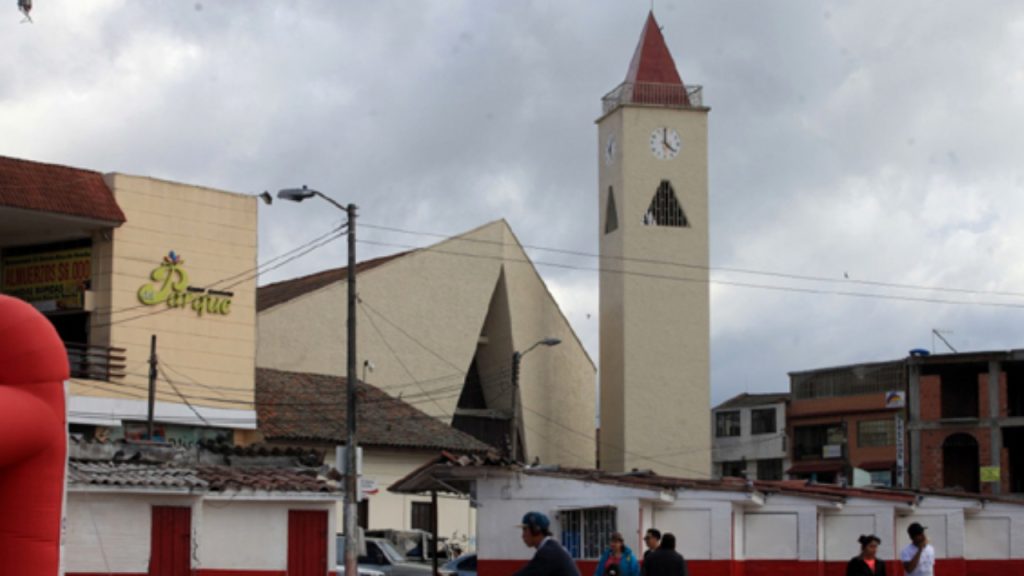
170,285
57,278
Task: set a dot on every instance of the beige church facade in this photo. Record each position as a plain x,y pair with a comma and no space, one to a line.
655,324
440,325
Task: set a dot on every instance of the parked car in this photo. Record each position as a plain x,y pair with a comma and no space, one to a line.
382,557
412,544
360,569
464,565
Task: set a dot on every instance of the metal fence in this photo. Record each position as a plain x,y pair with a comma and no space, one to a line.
671,95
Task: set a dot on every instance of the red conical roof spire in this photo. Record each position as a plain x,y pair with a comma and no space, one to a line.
652,62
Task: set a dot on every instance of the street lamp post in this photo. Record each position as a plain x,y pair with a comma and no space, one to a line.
517,358
351,441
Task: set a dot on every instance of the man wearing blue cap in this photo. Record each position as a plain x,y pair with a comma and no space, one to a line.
550,559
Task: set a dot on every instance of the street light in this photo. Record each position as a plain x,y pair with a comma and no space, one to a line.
351,442
517,358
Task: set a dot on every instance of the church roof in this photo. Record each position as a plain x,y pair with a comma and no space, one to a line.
652,62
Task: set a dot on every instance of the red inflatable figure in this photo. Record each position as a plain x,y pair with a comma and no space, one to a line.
33,440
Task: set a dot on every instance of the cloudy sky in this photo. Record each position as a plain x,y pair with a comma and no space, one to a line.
876,140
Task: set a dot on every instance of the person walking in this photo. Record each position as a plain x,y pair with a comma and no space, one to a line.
918,557
652,539
550,559
867,563
665,561
618,559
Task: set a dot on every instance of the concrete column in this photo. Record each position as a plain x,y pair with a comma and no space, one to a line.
996,438
913,425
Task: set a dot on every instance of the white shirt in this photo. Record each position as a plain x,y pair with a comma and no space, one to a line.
925,566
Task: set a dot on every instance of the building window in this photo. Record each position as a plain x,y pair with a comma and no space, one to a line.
611,214
876,433
727,424
665,209
422,517
959,387
734,469
881,477
817,442
769,469
762,421
585,532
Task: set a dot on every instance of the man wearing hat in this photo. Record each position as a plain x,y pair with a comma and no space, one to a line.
550,559
918,557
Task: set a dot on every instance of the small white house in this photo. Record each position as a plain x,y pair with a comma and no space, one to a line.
749,437
148,518
726,527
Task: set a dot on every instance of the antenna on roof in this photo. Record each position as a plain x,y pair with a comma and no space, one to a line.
25,6
936,333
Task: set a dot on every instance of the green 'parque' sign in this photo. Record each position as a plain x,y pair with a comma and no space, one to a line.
170,285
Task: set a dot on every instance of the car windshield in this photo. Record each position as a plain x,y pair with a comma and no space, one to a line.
390,551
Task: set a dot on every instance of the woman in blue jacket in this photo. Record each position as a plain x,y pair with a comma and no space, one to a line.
618,559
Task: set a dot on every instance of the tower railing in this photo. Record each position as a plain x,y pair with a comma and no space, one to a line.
671,95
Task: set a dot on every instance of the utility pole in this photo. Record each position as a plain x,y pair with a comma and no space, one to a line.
152,387
517,358
351,442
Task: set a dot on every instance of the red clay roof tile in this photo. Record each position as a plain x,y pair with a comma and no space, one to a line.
53,188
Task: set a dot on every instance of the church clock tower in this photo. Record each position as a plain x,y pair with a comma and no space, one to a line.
655,341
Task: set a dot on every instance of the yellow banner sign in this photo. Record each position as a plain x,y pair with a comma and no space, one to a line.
60,276
170,285
990,473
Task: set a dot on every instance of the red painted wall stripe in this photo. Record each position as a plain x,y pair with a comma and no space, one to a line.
945,567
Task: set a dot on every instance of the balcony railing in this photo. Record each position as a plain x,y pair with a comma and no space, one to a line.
671,95
95,362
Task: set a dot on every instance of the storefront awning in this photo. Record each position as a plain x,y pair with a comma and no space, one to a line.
816,466
876,465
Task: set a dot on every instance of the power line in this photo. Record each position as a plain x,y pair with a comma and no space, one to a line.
792,289
750,271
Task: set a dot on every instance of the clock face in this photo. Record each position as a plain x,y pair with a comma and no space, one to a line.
665,143
609,150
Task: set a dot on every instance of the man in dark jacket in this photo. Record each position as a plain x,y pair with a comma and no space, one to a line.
665,561
550,559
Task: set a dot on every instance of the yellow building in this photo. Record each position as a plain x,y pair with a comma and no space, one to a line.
114,260
655,327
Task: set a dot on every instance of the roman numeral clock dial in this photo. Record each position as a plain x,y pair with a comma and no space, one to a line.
665,143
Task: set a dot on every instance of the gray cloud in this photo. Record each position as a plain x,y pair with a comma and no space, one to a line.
872,139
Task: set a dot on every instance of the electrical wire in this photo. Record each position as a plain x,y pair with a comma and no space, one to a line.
750,271
791,289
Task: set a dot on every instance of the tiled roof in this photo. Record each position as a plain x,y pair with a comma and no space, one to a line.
748,400
280,292
125,474
652,62
311,407
202,478
221,478
53,188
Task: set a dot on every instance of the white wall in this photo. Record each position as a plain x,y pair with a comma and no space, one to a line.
455,518
111,532
504,501
701,523
252,535
841,529
784,528
996,532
